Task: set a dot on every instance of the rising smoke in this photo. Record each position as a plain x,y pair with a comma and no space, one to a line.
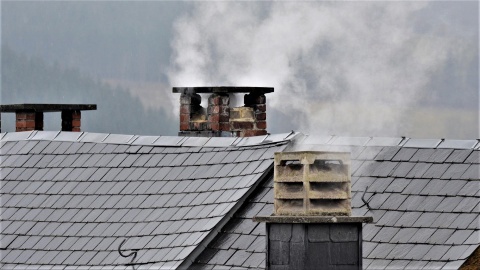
352,68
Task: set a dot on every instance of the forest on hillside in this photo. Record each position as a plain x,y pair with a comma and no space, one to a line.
32,80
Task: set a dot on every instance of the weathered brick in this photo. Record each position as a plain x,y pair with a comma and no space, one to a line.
25,124
261,107
184,109
253,132
262,125
214,118
185,99
214,100
76,123
214,109
235,125
224,118
215,126
184,117
76,115
225,126
184,126
225,110
198,126
261,116
25,116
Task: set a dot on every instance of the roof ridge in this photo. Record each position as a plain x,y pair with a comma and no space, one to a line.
297,137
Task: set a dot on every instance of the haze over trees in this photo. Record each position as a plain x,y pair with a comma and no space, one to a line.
347,76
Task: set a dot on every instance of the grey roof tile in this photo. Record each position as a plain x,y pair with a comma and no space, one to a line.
379,264
394,200
403,169
474,157
418,251
62,148
422,236
398,185
435,171
440,155
458,156
27,147
15,149
448,204
470,189
452,188
73,148
6,146
398,264
384,169
468,205
92,160
381,250
404,154
453,264
217,158
422,155
454,252
426,219
444,220
433,187
455,171
418,170
468,252
472,173
464,220
430,203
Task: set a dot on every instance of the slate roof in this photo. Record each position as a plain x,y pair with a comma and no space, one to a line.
69,199
424,196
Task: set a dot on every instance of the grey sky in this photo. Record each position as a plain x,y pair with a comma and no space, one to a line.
354,68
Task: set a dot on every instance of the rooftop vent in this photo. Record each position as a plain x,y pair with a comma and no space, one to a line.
219,119
312,183
30,116
312,226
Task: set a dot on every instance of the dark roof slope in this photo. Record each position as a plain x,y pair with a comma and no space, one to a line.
424,196
69,199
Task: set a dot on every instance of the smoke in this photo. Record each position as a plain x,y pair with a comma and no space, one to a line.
352,68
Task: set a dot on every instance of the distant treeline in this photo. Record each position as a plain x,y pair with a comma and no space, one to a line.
31,80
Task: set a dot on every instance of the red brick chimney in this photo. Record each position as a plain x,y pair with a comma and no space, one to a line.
219,119
30,116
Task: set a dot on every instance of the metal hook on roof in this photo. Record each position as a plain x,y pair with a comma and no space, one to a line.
134,253
365,202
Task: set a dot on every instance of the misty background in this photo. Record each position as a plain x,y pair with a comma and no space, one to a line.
338,68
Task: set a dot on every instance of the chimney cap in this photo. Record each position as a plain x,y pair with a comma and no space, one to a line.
47,107
222,89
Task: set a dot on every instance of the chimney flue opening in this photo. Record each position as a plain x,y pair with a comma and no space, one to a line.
219,118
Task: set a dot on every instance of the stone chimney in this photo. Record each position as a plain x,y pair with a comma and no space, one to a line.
30,116
219,119
312,226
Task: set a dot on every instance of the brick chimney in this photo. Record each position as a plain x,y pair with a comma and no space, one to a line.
312,226
30,116
219,119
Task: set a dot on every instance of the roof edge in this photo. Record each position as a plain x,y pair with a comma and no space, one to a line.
190,259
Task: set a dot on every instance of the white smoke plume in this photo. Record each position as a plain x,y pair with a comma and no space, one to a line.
351,68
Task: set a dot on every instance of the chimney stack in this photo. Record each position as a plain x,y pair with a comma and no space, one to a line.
219,119
30,116
312,226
